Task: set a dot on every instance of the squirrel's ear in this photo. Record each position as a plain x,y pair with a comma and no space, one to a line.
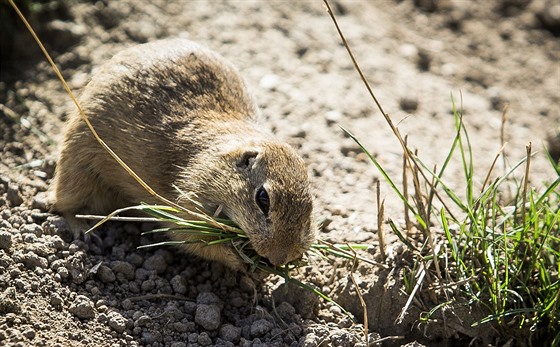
246,160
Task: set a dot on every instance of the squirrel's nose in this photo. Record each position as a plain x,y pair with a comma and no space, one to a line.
277,259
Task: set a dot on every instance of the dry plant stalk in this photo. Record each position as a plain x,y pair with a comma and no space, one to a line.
503,132
362,301
380,217
405,192
526,181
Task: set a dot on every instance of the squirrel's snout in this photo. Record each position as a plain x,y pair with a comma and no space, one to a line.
277,259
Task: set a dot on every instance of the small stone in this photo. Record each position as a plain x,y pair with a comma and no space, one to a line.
204,339
32,228
124,268
178,344
286,311
14,196
193,337
148,285
181,327
135,259
9,303
408,50
116,321
208,316
40,202
142,321
82,307
230,333
32,260
56,242
56,301
5,240
260,327
269,82
155,263
29,238
408,104
179,285
29,333
105,274
333,117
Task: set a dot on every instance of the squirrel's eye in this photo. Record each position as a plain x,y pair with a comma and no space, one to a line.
262,200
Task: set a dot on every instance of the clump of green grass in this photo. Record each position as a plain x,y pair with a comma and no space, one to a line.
504,255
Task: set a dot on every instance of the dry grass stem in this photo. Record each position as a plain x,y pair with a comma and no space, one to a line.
118,218
362,301
526,182
380,217
405,191
503,133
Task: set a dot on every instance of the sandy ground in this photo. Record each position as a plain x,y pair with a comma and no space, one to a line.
416,54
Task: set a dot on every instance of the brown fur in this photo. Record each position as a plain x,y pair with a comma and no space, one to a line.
179,115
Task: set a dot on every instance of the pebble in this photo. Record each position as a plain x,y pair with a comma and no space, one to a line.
142,321
208,316
135,259
148,285
286,311
408,104
124,268
260,327
179,285
40,202
32,260
184,327
269,82
5,214
14,196
116,321
32,228
105,274
56,301
82,307
5,240
204,339
56,242
333,117
230,333
155,263
29,333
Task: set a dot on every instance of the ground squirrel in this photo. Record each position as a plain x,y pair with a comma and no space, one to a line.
180,116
